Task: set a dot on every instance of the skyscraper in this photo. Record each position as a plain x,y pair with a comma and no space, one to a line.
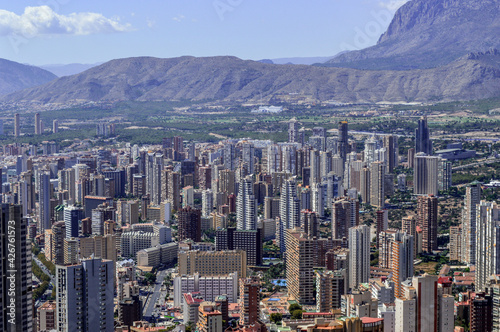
427,210
310,223
481,312
377,184
290,204
343,140
248,157
300,253
38,124
72,217
341,219
248,240
229,156
391,151
17,125
84,296
469,221
401,260
16,304
422,137
44,201
425,181
330,286
57,245
55,126
246,205
293,131
249,301
359,255
487,243
154,167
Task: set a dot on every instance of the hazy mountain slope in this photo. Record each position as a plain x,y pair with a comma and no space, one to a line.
15,76
228,78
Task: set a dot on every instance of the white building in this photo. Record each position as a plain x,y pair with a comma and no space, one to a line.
246,206
209,287
487,243
359,257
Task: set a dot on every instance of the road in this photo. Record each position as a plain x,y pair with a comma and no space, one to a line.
478,163
153,298
44,268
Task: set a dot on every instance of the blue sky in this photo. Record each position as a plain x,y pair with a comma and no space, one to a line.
75,31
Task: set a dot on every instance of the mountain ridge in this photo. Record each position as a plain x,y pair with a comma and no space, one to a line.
15,76
428,34
227,78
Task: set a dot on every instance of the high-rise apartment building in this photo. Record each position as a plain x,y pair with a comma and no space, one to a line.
422,137
57,246
455,245
246,206
55,126
16,303
487,243
481,312
84,296
293,131
44,201
330,286
391,151
377,184
469,222
341,218
300,254
72,218
359,255
427,211
289,208
249,301
248,240
248,157
17,125
189,224
310,223
38,124
343,144
425,179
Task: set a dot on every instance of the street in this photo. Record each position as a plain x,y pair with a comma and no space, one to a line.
149,306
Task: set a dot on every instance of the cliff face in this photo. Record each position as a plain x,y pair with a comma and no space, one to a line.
430,33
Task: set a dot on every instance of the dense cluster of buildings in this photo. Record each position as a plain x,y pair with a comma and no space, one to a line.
105,216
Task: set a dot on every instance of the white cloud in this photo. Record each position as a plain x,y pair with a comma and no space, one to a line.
392,5
179,18
151,23
43,20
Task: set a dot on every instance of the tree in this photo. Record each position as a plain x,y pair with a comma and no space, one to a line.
294,306
149,278
297,314
276,317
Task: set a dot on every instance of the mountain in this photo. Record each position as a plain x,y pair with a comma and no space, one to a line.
301,60
15,76
69,69
428,34
474,76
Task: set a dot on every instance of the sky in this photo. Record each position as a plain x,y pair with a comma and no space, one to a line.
89,31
